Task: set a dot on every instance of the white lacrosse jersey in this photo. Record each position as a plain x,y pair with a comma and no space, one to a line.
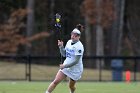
75,71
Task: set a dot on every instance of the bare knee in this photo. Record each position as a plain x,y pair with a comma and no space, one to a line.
72,87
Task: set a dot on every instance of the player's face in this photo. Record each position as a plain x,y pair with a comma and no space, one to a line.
74,37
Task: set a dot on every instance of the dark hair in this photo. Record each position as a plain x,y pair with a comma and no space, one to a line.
80,27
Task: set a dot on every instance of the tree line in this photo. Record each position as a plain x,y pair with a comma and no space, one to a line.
111,26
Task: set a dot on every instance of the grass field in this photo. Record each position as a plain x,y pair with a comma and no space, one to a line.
82,87
13,70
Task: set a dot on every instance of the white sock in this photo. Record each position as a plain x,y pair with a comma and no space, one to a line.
47,92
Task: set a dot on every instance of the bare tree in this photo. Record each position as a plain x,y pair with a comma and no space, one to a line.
88,38
117,27
99,13
30,21
99,33
88,12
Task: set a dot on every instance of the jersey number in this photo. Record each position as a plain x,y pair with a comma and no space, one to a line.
68,55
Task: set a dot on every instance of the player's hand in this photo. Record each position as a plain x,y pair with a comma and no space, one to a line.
60,43
61,66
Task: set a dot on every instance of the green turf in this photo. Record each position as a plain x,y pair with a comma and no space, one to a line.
82,87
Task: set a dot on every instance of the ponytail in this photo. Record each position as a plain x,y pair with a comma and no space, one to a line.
80,27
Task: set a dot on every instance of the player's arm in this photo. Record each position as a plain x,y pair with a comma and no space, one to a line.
62,51
77,58
61,48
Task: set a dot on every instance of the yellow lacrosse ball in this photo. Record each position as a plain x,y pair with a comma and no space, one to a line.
57,20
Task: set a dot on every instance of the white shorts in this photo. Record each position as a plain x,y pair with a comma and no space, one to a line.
71,74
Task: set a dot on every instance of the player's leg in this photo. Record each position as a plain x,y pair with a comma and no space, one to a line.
72,85
59,77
